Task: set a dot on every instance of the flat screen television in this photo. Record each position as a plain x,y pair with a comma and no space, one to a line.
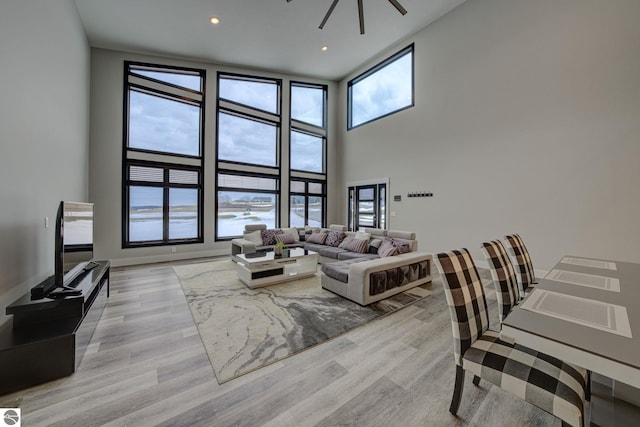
73,243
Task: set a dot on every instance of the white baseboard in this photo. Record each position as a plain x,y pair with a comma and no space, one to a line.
123,262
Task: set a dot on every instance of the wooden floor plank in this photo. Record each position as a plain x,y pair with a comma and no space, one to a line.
147,367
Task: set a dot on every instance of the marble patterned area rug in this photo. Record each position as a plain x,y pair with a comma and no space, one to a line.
244,329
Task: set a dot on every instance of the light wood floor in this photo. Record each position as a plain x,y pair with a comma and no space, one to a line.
147,366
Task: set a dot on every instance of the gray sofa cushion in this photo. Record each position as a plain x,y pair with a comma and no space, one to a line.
313,247
330,252
339,270
354,255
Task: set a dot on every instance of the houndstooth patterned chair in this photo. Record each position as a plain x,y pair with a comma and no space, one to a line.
503,276
521,261
544,381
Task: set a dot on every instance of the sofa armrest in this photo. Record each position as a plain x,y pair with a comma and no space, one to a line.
242,246
363,269
361,272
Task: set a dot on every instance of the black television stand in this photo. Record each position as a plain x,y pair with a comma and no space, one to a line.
90,265
63,292
49,336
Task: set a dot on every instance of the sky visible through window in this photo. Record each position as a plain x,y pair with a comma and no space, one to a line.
163,125
307,104
387,90
173,127
245,140
306,152
164,122
260,95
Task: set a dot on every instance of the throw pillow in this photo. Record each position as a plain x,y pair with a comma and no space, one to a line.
269,236
374,244
358,245
317,238
402,247
345,242
285,238
254,237
387,248
293,231
334,238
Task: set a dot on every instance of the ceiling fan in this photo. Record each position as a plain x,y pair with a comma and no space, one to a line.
395,3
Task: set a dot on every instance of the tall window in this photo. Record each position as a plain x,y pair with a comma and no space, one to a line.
307,155
163,159
248,153
307,202
383,90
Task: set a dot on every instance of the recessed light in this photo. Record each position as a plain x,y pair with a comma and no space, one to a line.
214,20
324,48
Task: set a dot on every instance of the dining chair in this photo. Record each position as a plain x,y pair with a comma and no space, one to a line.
546,382
503,276
521,260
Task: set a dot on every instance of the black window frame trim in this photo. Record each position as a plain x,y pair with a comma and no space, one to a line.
402,52
166,185
255,79
325,103
277,192
127,161
324,151
307,194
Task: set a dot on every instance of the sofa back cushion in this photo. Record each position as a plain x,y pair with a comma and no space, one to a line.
337,227
293,231
254,237
253,227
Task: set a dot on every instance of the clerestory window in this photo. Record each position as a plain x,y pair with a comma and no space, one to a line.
385,89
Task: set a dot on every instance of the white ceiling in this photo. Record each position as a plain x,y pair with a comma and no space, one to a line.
265,34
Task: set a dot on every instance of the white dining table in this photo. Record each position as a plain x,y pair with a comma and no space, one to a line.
585,311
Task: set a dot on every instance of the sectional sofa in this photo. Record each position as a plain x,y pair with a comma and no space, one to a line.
364,267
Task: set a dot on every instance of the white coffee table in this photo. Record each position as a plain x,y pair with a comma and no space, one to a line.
264,269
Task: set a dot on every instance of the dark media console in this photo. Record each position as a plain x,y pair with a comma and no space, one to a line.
50,335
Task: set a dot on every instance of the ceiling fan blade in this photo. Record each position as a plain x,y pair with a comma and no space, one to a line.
361,16
326,17
397,5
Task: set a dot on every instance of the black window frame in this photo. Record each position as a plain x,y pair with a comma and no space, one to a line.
306,194
134,156
276,192
240,168
166,186
305,176
401,53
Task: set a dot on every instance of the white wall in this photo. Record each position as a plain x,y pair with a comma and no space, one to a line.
527,120
106,156
44,129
